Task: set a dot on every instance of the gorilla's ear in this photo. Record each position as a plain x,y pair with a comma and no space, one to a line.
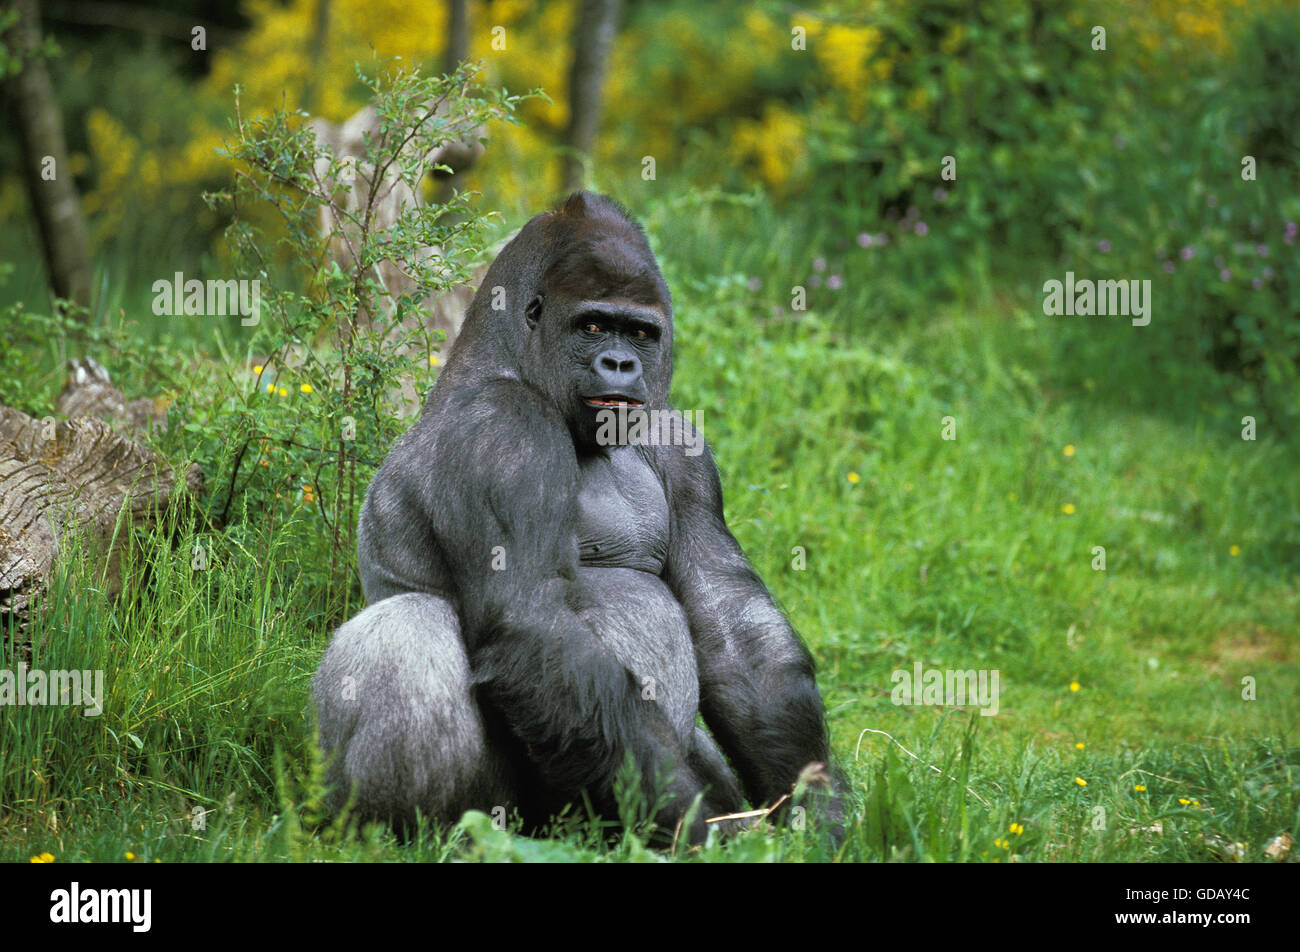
533,312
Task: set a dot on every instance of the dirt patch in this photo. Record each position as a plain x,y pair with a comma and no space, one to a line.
1237,648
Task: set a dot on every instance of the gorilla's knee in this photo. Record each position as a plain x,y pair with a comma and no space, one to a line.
397,718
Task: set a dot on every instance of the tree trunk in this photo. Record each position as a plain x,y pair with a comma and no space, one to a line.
317,46
50,188
592,38
457,35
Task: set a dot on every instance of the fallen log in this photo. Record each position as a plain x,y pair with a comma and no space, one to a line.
59,477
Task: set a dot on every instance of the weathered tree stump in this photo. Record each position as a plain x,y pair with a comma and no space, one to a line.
348,141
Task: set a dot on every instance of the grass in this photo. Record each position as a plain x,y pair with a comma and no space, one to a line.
1122,734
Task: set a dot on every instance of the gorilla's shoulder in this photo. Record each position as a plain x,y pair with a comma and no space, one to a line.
485,433
489,404
686,466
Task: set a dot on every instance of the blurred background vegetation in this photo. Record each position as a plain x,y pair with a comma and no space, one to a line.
1122,162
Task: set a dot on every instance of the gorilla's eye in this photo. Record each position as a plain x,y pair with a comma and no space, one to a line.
592,328
641,334
534,310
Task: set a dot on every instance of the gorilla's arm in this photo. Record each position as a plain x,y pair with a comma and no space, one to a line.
504,474
757,692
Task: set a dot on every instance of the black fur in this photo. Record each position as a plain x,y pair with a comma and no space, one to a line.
475,684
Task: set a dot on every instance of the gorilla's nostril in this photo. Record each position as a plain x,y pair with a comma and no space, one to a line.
617,365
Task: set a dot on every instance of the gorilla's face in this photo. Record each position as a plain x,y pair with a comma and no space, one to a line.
601,355
598,319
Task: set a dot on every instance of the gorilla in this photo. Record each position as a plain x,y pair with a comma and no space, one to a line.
545,603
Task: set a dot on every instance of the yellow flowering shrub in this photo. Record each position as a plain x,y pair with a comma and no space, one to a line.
684,80
844,53
776,145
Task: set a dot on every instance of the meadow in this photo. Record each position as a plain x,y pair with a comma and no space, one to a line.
1122,732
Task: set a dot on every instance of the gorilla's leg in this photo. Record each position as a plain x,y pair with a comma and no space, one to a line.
398,719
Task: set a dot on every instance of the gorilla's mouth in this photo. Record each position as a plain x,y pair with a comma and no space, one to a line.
614,400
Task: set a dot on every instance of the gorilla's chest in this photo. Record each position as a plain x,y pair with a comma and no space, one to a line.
622,513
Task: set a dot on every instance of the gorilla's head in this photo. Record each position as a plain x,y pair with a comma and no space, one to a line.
582,313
